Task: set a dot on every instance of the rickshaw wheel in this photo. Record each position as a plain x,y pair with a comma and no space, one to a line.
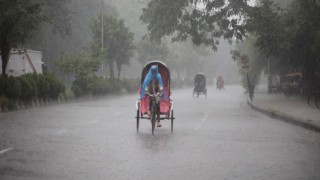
153,121
172,118
286,93
138,119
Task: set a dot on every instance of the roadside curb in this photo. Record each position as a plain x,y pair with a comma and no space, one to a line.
308,124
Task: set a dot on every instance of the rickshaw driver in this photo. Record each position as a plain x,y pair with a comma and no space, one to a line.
148,85
220,82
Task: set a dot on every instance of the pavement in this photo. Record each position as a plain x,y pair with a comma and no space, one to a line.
292,109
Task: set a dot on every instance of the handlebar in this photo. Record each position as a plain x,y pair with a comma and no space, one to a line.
157,97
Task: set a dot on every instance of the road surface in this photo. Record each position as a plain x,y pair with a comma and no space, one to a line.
218,137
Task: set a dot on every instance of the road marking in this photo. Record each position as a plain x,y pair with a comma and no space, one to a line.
202,121
117,114
61,131
6,150
91,122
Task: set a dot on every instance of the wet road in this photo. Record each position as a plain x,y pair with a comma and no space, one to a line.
218,137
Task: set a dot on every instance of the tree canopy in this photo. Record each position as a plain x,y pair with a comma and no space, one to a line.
148,51
204,21
18,20
118,43
286,35
80,65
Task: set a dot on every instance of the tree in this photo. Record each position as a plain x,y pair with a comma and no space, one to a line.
18,20
80,65
287,38
118,42
205,21
68,30
60,16
290,35
147,51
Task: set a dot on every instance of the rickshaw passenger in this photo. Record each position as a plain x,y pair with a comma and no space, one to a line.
152,80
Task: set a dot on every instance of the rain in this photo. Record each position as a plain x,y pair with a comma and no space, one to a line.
159,89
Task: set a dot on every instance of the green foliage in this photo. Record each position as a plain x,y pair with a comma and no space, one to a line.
97,86
79,66
90,86
4,102
287,38
286,34
60,16
68,29
29,91
205,25
30,87
66,96
131,85
55,86
18,20
117,42
148,51
13,88
43,86
77,91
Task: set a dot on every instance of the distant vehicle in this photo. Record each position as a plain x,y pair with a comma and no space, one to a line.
292,84
220,83
199,85
24,61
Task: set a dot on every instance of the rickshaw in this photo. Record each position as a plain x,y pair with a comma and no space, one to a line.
165,105
199,85
220,83
292,84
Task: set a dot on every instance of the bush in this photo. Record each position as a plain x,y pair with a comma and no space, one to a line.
14,89
76,90
43,87
131,85
97,86
61,98
92,86
101,86
29,91
10,87
55,86
29,87
4,103
68,94
2,85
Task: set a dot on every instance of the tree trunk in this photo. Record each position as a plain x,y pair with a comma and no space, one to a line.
119,70
119,74
5,54
111,68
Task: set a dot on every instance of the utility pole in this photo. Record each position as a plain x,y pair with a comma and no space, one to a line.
269,77
102,37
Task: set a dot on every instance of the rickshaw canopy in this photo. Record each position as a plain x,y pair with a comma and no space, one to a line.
295,74
200,80
162,69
